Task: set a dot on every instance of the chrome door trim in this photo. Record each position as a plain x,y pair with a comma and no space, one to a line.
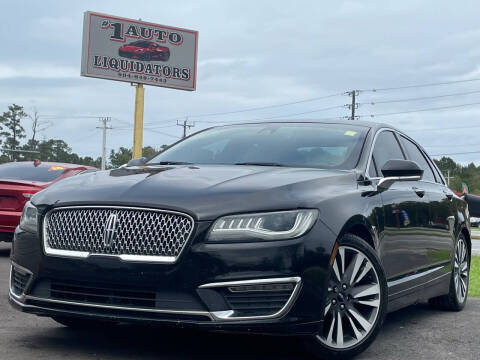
229,315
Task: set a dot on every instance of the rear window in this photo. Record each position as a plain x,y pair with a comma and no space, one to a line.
28,172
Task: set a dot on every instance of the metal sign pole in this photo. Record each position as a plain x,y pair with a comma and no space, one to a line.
138,122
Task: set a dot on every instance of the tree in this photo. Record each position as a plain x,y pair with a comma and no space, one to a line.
124,155
12,130
37,126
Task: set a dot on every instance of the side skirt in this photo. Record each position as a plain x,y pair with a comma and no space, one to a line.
418,287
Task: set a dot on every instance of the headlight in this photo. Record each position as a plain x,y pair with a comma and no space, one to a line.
28,221
265,226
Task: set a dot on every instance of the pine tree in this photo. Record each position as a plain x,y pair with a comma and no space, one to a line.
12,130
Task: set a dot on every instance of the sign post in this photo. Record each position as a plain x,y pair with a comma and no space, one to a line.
138,122
140,53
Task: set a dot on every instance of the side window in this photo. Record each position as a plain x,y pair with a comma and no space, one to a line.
386,148
416,155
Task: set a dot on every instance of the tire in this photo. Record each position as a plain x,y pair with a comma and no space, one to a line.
456,298
342,306
80,323
147,57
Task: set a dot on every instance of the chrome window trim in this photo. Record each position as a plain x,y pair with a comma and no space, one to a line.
124,257
367,169
229,315
397,132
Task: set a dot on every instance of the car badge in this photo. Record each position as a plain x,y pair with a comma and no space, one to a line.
110,230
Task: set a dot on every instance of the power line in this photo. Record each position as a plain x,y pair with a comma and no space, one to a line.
458,153
418,110
154,131
185,124
419,85
268,106
419,98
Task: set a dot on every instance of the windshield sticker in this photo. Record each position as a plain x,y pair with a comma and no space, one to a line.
56,168
350,133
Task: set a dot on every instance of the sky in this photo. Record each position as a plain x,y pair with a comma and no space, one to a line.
253,55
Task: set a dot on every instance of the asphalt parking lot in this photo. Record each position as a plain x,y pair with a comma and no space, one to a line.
476,242
416,332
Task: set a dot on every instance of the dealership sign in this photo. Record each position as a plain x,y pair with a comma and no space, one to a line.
138,52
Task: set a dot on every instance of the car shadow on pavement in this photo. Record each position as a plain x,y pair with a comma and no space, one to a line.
135,342
5,249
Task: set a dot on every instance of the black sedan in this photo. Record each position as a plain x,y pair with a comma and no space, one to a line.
309,229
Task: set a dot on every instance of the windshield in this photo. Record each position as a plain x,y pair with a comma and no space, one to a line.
318,145
28,172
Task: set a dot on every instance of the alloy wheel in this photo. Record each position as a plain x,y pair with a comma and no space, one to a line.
460,270
353,300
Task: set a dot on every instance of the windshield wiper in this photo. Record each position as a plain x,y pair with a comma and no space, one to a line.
260,163
170,163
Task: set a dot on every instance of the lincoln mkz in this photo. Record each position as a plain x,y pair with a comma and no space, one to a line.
311,229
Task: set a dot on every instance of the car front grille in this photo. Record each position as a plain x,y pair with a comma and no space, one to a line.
130,233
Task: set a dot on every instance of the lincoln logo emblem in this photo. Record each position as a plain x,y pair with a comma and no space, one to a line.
110,230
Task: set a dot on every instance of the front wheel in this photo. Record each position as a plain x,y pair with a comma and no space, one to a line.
356,302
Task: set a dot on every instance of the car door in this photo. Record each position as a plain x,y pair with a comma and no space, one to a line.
440,238
405,214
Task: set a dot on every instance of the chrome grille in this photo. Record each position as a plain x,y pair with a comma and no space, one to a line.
137,234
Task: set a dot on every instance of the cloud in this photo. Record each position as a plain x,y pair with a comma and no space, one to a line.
246,61
38,71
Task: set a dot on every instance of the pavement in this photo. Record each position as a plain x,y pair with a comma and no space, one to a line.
416,332
475,241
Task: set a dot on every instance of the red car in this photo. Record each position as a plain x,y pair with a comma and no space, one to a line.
144,50
20,180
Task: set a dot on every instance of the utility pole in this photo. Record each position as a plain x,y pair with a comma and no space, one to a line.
104,126
354,104
185,124
448,177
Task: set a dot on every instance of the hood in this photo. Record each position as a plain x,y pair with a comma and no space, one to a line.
203,191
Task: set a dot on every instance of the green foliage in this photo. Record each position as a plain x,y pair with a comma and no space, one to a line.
12,130
124,155
474,281
469,174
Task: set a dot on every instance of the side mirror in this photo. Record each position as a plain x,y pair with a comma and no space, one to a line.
137,162
399,170
473,202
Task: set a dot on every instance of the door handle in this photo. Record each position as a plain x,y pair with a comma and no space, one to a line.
419,192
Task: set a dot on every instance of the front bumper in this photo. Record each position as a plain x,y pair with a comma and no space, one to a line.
195,291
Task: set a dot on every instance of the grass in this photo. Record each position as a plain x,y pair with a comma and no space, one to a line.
474,281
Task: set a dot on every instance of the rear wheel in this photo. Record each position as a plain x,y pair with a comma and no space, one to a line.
356,302
456,298
80,323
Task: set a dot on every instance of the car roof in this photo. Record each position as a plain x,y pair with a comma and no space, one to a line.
367,124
